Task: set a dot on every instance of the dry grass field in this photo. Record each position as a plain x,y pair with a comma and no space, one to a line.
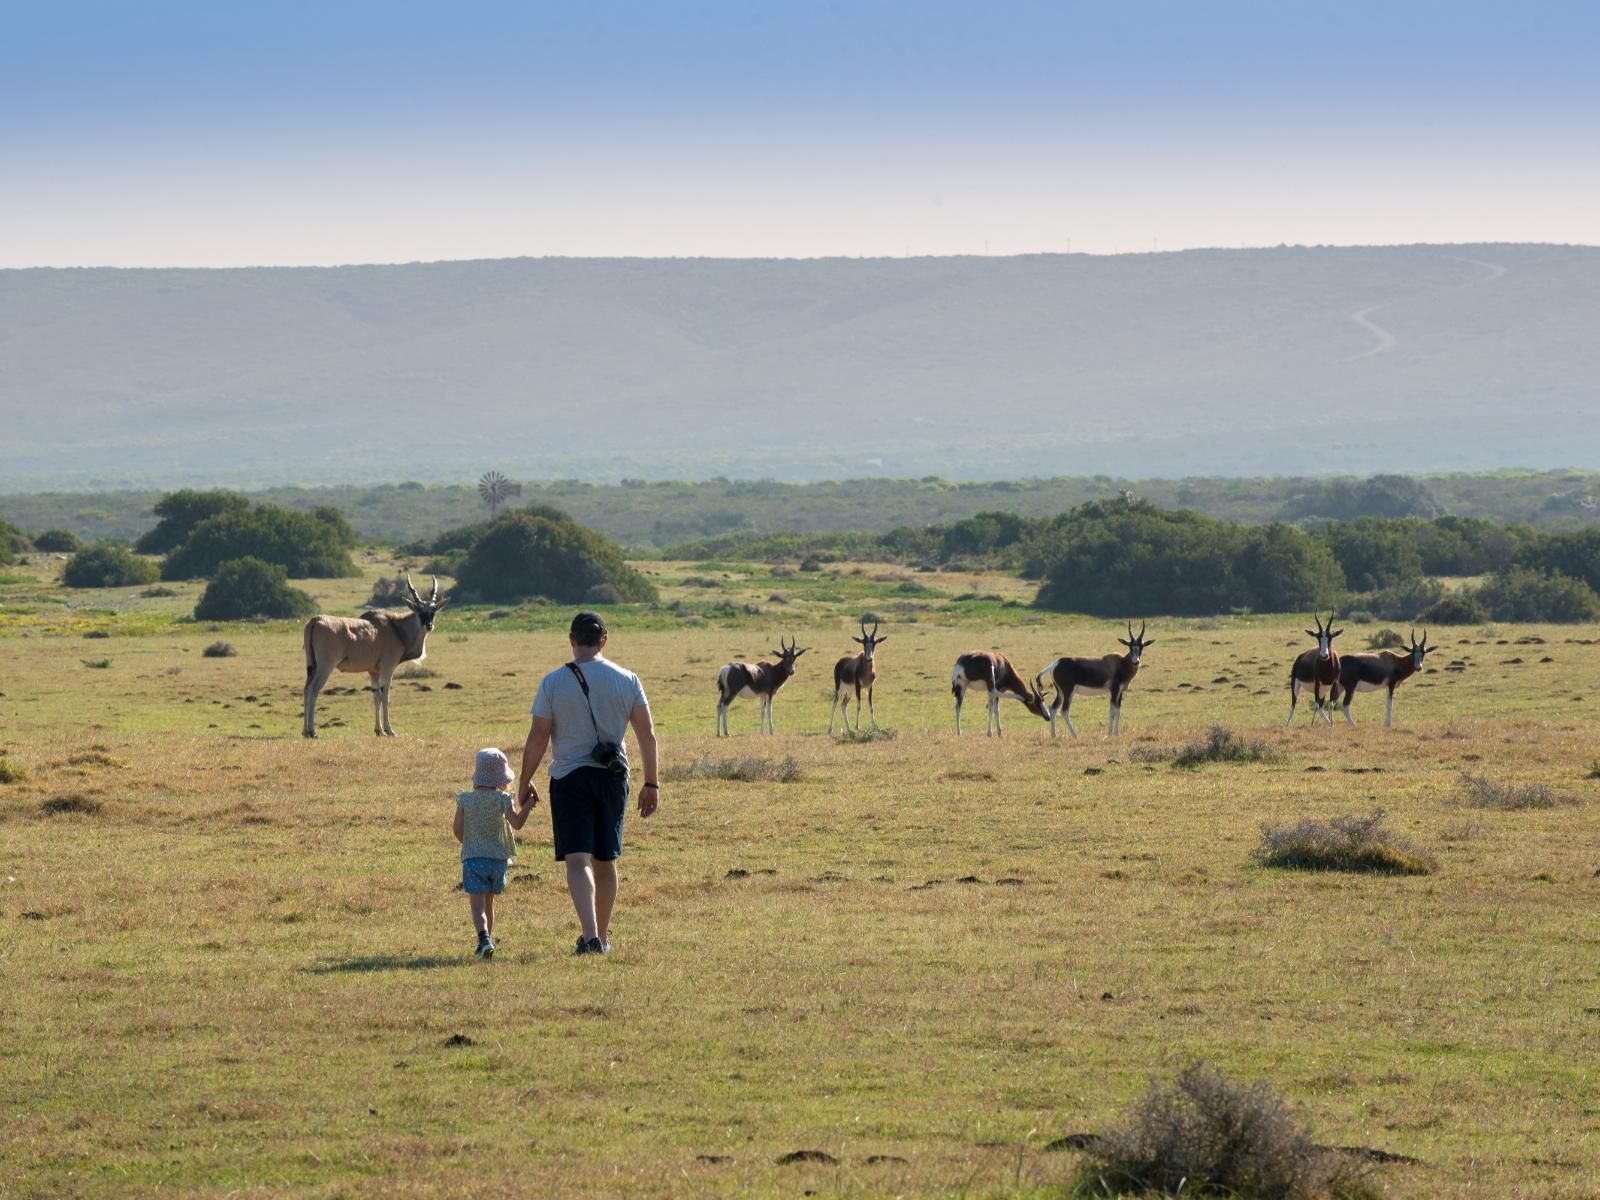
236,963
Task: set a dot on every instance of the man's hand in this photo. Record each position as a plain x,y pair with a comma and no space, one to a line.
649,797
528,795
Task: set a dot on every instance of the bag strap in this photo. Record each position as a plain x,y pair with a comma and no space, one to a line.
584,684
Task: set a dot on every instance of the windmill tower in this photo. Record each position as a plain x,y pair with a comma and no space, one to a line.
494,489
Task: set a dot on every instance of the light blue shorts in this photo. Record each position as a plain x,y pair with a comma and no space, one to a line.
480,876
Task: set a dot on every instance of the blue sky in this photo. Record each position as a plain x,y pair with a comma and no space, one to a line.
153,132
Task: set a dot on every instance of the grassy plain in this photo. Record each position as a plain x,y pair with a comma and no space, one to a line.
235,962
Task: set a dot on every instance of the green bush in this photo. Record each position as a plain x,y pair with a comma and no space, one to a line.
1523,595
180,512
104,565
58,541
305,546
248,587
1373,553
526,554
1403,601
1456,608
1126,557
12,543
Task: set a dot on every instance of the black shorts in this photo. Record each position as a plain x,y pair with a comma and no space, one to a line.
586,809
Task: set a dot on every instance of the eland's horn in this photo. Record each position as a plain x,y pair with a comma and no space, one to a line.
410,587
433,599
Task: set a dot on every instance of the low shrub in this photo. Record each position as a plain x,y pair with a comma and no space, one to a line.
219,650
854,737
746,768
59,805
11,772
1340,844
1208,1136
159,592
1479,791
248,587
104,565
1385,639
1222,745
1455,609
58,541
389,593
97,664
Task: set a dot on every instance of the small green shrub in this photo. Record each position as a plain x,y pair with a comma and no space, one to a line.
159,592
104,565
1385,639
219,650
746,768
1222,745
97,664
1209,1136
1479,791
58,541
11,772
389,593
1340,844
248,587
1458,608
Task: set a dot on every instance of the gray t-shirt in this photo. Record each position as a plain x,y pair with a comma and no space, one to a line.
613,691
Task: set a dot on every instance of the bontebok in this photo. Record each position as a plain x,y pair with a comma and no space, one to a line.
1383,671
854,672
1318,667
1108,676
761,680
995,674
376,642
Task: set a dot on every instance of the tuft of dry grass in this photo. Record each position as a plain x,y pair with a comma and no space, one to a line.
855,737
1224,746
11,772
1206,1135
61,805
746,768
219,649
1480,791
1341,844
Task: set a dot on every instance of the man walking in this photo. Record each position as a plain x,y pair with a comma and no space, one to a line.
580,714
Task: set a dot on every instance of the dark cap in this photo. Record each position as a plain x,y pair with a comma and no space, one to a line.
588,628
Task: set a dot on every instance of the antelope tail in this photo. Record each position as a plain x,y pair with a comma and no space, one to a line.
311,654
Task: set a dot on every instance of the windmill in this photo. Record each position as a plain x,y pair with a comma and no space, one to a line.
494,489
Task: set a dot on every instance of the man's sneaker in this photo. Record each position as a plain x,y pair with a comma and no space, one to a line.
590,946
485,947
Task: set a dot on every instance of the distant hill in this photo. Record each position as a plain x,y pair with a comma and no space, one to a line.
1299,361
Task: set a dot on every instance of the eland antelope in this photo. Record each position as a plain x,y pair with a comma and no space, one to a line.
761,681
856,671
1108,676
1369,672
376,642
999,678
1318,667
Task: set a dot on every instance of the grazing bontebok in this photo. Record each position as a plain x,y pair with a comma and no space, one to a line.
761,681
995,674
376,642
1386,670
856,671
1318,667
1108,676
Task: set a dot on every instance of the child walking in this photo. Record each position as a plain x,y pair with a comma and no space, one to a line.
484,819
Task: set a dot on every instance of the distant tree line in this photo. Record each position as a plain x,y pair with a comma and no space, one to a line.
1127,557
646,517
1122,557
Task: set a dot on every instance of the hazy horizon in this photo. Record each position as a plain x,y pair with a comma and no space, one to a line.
184,134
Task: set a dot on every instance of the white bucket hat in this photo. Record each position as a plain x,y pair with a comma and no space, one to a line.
491,769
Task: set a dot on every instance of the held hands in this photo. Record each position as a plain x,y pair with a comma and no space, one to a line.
528,795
